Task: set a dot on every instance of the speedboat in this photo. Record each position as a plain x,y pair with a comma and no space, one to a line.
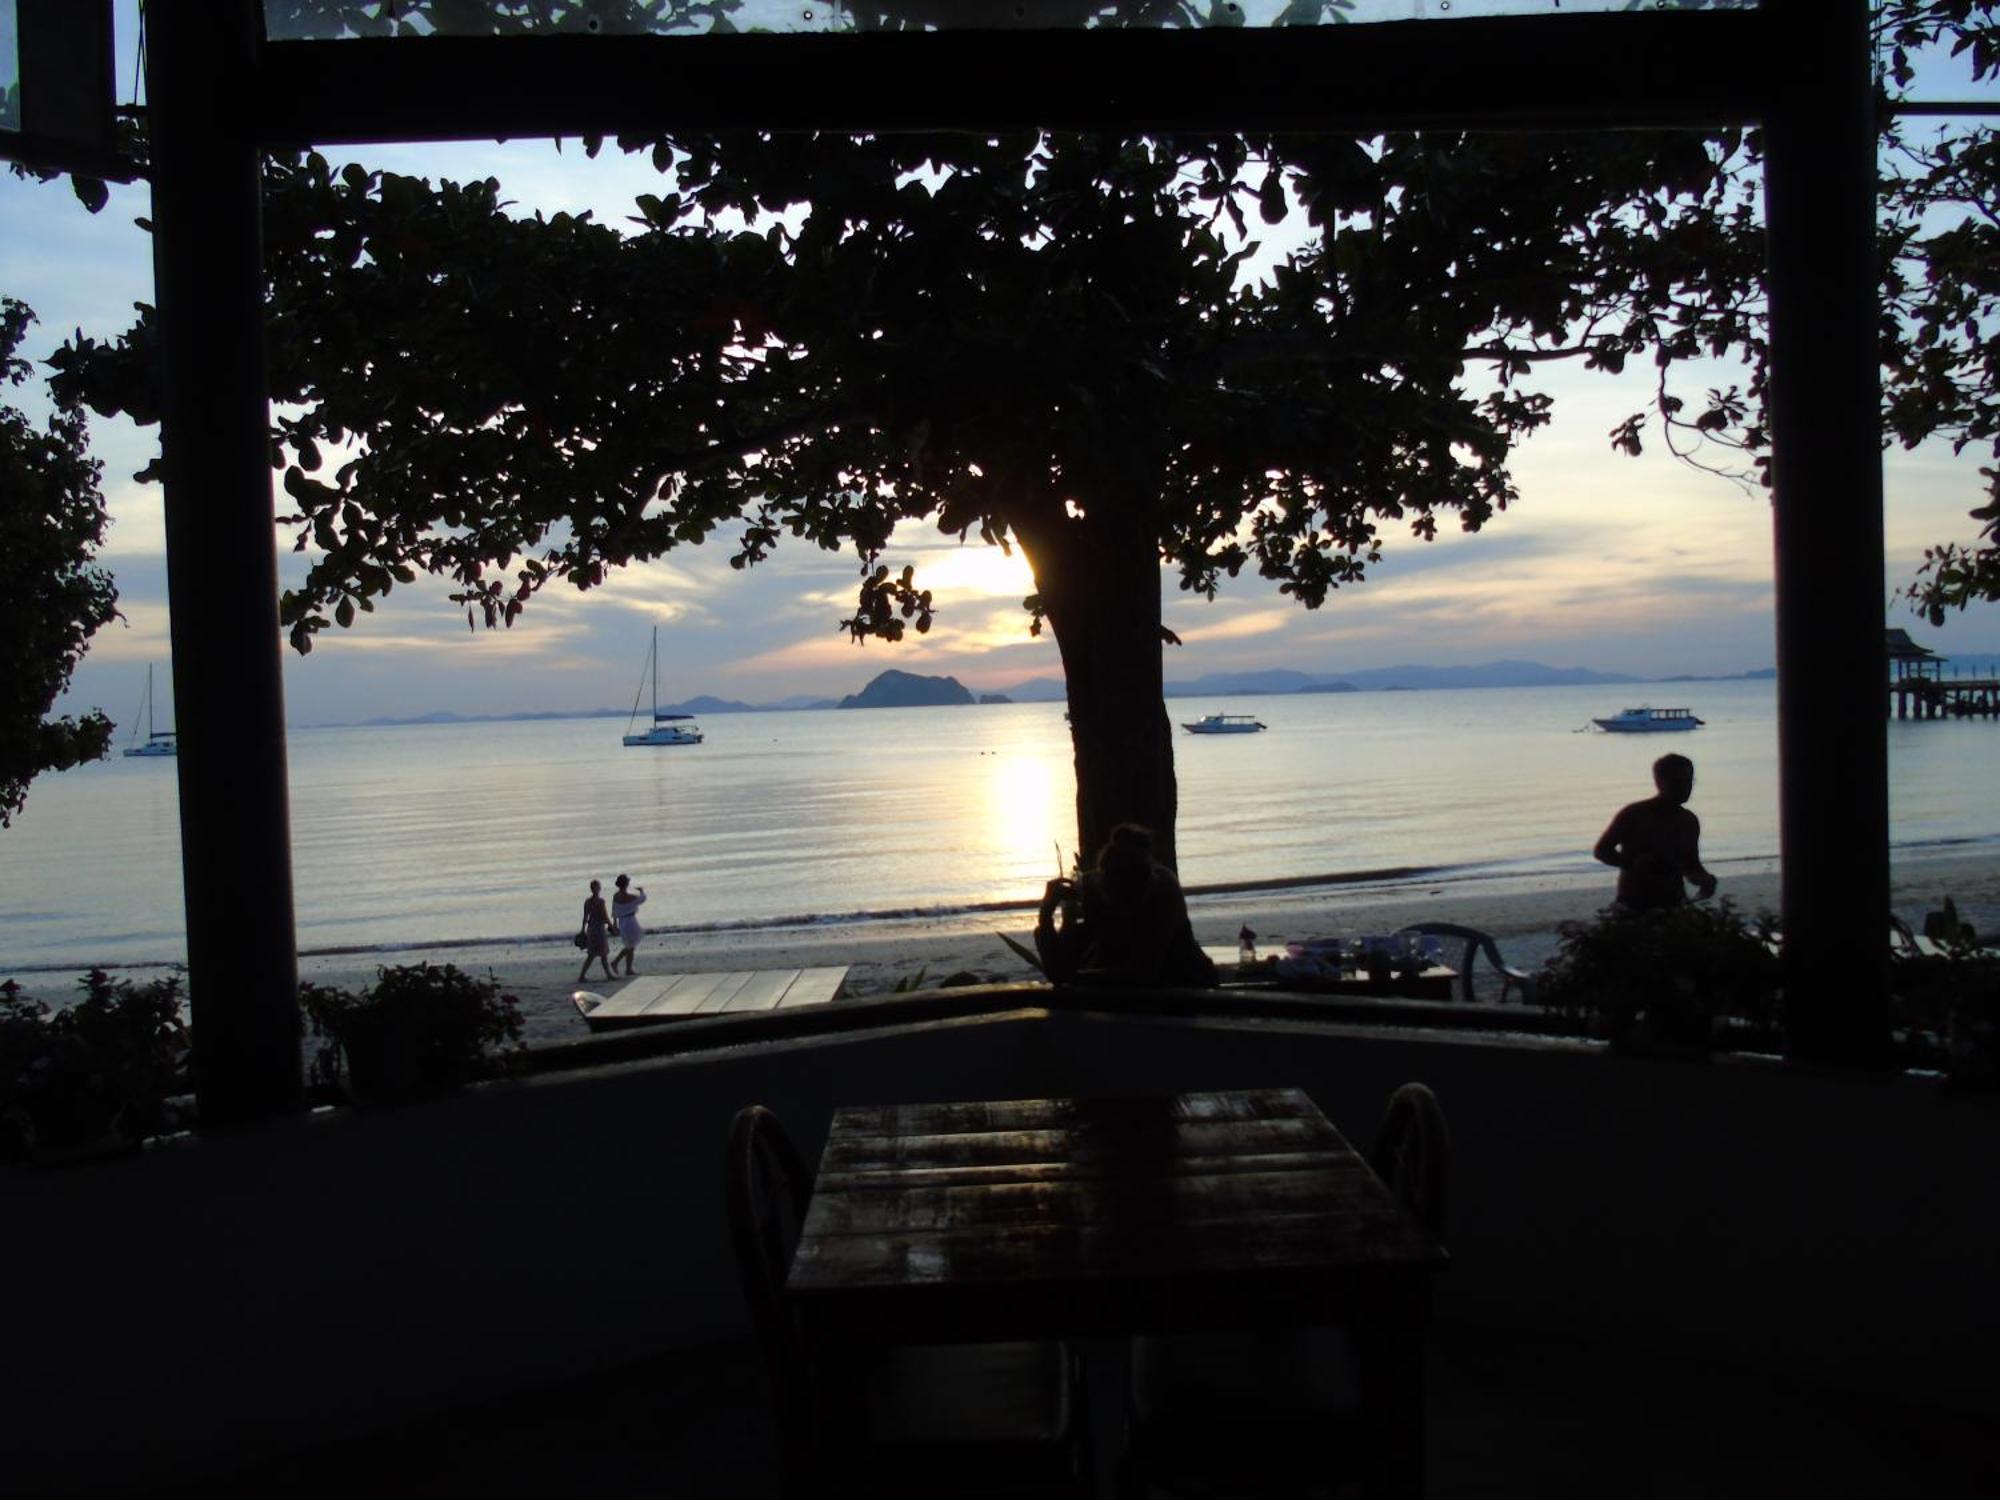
1225,724
1649,721
666,729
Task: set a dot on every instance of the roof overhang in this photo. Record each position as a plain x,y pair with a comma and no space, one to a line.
1554,72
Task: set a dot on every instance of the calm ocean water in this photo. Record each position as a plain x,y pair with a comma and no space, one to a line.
436,833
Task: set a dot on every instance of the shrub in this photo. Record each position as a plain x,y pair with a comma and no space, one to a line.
1665,976
417,1032
98,1073
1946,1004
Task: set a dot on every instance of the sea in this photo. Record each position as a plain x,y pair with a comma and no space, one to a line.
433,835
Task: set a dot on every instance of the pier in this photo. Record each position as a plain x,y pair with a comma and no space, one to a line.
1918,688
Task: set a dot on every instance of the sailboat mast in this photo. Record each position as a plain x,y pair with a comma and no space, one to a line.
149,703
656,674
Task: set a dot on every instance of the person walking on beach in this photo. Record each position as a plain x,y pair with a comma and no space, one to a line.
1655,845
596,933
625,906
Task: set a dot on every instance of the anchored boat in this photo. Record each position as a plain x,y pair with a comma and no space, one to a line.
1649,721
667,729
157,742
1225,724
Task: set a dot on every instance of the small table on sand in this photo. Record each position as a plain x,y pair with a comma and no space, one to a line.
655,998
1102,1219
1433,982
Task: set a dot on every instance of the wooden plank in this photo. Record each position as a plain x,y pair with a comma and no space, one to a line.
814,987
1164,1203
1073,1171
719,994
765,989
688,996
1338,1238
633,998
1052,1114
1129,1148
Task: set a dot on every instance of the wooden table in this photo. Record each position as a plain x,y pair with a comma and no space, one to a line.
655,998
1101,1219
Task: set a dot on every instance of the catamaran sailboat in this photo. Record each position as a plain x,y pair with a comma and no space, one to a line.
157,742
668,729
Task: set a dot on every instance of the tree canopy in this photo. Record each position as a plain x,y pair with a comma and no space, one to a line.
52,598
1052,341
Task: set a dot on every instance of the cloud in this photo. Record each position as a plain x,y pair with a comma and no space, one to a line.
819,654
143,635
1260,622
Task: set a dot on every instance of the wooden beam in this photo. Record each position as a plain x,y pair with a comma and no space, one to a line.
222,572
1512,73
1826,426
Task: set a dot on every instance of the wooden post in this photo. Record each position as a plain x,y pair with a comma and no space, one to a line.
221,560
1826,423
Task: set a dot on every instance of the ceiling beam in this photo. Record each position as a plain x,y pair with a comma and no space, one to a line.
1535,72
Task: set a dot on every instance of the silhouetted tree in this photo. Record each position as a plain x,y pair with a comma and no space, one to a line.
52,600
1050,340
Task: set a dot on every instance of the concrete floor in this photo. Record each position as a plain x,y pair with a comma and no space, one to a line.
1511,1415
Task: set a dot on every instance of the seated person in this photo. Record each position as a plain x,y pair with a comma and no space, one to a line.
1124,921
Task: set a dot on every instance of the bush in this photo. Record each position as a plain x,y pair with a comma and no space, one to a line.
1946,1004
417,1032
97,1074
1665,976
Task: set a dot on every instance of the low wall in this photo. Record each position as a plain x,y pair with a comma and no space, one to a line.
200,1305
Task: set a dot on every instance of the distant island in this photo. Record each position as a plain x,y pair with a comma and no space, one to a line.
907,690
893,689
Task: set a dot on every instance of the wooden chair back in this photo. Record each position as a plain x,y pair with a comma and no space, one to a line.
1412,1154
767,1186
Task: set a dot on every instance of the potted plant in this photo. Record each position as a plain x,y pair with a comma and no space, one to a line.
417,1032
94,1078
1665,982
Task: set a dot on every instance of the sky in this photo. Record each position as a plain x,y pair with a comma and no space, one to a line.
1619,564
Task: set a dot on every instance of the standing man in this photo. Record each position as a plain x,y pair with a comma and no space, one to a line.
1655,845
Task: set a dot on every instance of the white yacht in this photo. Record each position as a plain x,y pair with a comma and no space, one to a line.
666,729
1225,724
157,742
1649,721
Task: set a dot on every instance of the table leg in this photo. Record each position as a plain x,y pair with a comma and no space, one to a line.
1393,1399
1107,1384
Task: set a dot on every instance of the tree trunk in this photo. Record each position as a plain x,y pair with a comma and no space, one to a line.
1100,583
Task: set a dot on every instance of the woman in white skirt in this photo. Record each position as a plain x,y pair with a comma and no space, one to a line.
625,906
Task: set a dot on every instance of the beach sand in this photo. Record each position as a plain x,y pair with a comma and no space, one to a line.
1522,914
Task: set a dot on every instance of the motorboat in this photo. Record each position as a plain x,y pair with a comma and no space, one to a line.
1225,724
158,742
1649,721
666,729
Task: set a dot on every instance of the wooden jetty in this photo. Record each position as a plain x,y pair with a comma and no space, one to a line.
1918,688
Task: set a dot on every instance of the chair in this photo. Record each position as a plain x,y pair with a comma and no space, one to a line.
1412,1154
1476,943
1280,1406
934,1420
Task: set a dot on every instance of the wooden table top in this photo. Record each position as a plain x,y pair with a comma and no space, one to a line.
655,998
1061,1216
